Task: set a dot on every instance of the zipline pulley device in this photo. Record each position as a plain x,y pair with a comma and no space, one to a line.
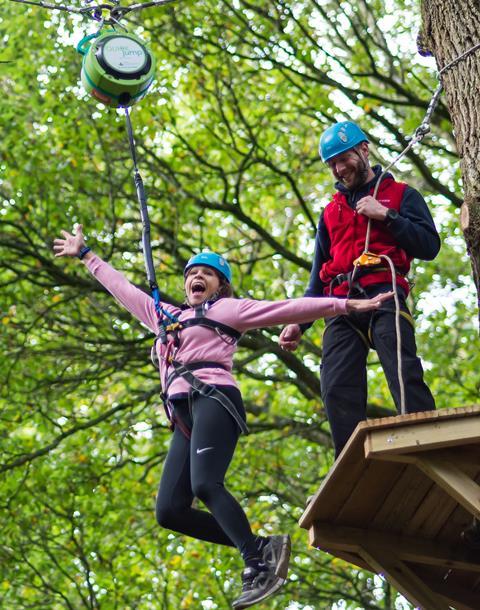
117,69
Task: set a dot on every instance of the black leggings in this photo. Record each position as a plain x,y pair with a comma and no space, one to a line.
196,468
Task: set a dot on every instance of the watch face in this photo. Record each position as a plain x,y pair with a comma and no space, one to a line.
124,55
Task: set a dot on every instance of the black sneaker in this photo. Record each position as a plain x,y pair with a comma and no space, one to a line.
257,585
276,554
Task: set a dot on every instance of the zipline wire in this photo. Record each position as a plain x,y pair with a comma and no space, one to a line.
59,7
95,11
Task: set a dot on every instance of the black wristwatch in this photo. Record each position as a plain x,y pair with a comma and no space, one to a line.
391,216
84,250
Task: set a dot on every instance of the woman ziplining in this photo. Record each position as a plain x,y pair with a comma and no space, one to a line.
194,347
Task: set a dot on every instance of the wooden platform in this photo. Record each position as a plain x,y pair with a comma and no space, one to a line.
396,502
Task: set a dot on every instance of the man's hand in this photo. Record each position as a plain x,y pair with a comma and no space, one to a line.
370,207
71,244
290,337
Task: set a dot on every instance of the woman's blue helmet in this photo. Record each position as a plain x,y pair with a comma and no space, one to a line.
339,138
213,260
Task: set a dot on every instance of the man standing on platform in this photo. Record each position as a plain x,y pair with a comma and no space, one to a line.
401,228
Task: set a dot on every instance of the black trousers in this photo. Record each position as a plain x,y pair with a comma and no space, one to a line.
343,375
196,467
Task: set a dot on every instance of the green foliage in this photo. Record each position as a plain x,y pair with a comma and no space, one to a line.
227,145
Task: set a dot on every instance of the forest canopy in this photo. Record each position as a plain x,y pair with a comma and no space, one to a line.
228,149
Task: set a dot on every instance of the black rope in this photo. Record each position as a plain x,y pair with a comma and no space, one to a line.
146,243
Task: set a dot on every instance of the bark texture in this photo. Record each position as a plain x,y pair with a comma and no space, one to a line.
449,28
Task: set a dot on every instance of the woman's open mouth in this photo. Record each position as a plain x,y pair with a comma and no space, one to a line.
198,288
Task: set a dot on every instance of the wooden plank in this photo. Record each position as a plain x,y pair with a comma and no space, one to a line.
402,502
456,523
431,515
413,550
454,481
456,604
437,507
423,436
392,458
413,419
403,578
352,557
476,586
453,594
337,485
467,458
369,493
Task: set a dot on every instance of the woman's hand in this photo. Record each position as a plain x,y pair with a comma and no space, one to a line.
361,305
71,244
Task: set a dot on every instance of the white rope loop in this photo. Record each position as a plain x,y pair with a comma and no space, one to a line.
398,333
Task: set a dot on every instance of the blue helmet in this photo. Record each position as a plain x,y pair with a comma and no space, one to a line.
339,138
213,260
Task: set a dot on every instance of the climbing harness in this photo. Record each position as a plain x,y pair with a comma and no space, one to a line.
170,337
169,333
355,290
205,389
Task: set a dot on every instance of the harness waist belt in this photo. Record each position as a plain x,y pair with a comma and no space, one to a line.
205,389
361,272
193,366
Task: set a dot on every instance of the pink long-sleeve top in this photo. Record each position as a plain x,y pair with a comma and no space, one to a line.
198,343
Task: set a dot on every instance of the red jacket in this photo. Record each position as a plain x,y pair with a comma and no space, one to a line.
347,231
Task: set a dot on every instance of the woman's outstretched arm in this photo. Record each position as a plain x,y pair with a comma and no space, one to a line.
136,301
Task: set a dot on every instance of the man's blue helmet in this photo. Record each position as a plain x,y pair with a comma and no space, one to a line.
213,260
339,138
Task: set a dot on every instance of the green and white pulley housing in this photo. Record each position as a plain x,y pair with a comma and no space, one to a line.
117,68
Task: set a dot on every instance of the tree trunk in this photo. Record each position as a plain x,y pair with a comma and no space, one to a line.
451,27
